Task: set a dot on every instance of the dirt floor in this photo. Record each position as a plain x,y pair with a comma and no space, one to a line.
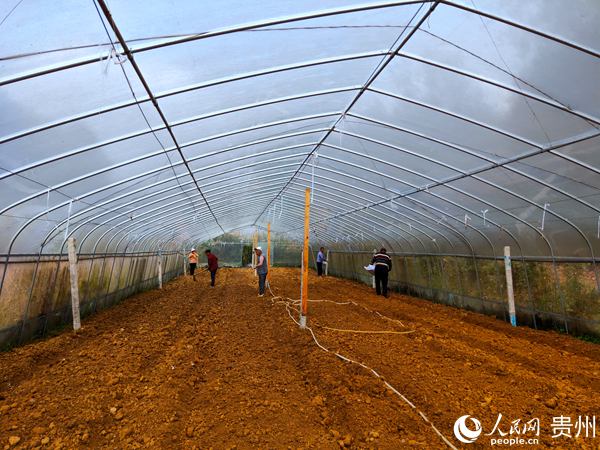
195,367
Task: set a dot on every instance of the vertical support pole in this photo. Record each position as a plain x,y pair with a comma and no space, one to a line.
74,283
327,264
509,287
184,263
160,269
304,285
268,252
373,276
254,245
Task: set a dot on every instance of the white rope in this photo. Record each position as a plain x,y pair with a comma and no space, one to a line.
544,215
68,219
369,369
484,212
312,177
281,208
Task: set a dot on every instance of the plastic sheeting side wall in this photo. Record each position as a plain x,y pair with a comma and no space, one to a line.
548,295
36,295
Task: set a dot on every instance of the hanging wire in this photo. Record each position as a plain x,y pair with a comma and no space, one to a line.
514,78
10,12
68,219
312,176
544,215
139,106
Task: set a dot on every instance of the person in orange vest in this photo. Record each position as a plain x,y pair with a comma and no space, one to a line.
213,265
193,261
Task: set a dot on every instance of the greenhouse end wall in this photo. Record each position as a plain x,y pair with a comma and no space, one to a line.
36,296
560,296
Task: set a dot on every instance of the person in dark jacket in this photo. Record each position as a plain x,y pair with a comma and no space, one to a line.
261,269
383,265
213,265
320,260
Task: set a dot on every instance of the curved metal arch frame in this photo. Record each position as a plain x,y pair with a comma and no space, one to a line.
163,198
214,152
56,228
85,149
350,224
221,32
176,187
234,177
443,199
423,204
463,8
416,188
472,173
45,191
159,211
461,235
145,205
221,192
494,185
309,16
302,182
476,154
143,157
154,171
497,84
437,231
182,222
191,88
252,193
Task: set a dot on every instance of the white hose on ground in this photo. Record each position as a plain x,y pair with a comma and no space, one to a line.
287,301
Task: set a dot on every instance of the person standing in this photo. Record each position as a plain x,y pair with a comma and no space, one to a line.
320,260
383,265
261,270
193,262
213,265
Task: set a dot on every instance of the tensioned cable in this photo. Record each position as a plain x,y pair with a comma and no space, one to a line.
10,12
394,48
489,154
139,106
140,75
183,35
518,86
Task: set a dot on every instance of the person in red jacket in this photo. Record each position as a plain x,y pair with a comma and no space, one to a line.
213,265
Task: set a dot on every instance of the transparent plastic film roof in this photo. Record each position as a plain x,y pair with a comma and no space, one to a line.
450,127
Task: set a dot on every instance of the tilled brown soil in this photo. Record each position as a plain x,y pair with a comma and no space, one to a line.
195,367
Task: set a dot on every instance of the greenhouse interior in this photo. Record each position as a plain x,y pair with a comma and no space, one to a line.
300,224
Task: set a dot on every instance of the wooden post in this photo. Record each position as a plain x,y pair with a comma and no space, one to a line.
268,252
160,270
509,287
327,264
304,284
74,283
184,263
